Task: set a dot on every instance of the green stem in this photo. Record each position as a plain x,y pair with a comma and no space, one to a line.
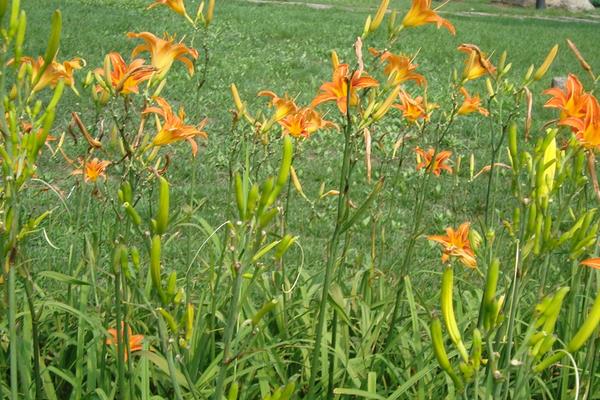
332,252
509,332
162,329
120,328
35,339
229,329
330,384
12,327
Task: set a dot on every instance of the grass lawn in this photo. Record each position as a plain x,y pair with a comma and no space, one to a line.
286,49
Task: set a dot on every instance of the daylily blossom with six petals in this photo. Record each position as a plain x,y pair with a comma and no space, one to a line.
399,68
587,129
53,72
471,104
135,341
92,170
164,52
425,159
456,244
477,64
572,101
173,127
414,109
125,78
304,122
283,105
175,5
420,13
337,89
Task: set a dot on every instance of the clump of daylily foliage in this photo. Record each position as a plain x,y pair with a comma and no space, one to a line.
236,314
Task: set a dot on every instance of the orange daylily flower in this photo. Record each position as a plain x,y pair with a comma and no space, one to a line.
125,78
283,105
135,341
471,104
587,130
425,159
92,170
420,13
572,102
337,89
456,244
592,263
414,109
477,64
304,122
175,5
173,128
399,68
53,73
164,52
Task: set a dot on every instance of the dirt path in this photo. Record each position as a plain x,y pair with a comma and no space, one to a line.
320,6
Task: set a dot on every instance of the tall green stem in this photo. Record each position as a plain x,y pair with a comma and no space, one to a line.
12,327
229,328
332,254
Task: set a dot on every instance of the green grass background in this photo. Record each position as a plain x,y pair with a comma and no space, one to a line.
286,48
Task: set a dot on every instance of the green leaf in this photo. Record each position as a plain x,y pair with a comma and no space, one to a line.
161,363
57,276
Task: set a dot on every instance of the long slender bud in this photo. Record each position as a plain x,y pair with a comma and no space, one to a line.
162,217
210,12
541,71
476,350
266,308
448,312
54,39
440,352
132,213
587,328
284,168
378,18
239,196
490,293
512,146
155,267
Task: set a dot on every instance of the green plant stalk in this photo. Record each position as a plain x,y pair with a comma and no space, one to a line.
229,329
35,339
80,344
332,250
495,149
120,350
590,359
12,328
282,260
514,301
573,316
331,373
162,329
491,367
